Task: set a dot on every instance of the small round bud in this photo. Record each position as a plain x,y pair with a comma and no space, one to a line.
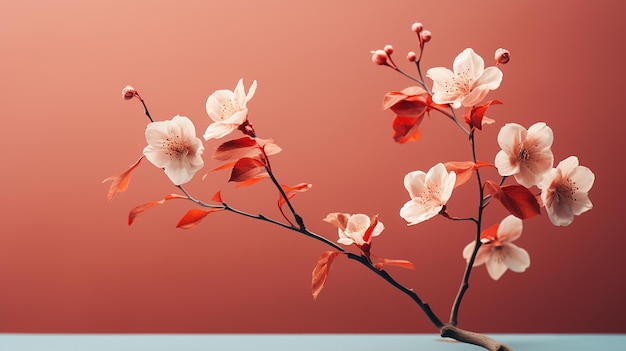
417,27
411,56
379,57
502,56
425,35
388,49
128,92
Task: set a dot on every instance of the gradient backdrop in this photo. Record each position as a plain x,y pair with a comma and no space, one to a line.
70,263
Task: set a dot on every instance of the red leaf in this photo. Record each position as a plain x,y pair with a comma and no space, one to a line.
120,181
246,168
397,263
477,113
515,198
368,232
320,272
406,129
139,210
289,191
235,149
193,217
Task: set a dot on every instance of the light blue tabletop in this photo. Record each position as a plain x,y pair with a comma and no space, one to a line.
299,342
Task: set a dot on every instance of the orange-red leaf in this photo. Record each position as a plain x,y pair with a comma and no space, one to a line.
220,168
515,198
217,197
394,99
396,263
246,168
253,180
139,210
193,217
289,191
235,149
320,272
464,170
120,181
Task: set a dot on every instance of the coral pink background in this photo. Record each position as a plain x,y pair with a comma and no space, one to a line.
70,263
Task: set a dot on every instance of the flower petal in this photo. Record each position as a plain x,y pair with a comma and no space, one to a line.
490,79
510,229
414,212
217,130
511,135
470,63
414,182
217,102
495,264
504,165
339,220
540,136
515,258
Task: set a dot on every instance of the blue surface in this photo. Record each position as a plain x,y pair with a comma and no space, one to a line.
299,342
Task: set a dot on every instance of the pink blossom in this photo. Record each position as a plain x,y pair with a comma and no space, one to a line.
173,146
429,193
525,153
497,251
468,84
355,229
564,191
228,110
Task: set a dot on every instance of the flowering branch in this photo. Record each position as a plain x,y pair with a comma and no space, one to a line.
525,155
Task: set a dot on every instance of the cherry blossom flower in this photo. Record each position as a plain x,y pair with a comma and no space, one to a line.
525,153
564,191
355,229
429,193
173,146
468,84
497,251
228,110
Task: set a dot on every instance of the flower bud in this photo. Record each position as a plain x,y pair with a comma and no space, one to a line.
128,92
388,49
425,35
417,27
411,56
502,56
379,57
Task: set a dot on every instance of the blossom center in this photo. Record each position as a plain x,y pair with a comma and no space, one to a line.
523,154
565,190
461,83
431,196
227,110
174,147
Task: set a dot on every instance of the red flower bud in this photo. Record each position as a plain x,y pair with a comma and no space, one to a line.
502,56
417,27
411,56
379,57
128,92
